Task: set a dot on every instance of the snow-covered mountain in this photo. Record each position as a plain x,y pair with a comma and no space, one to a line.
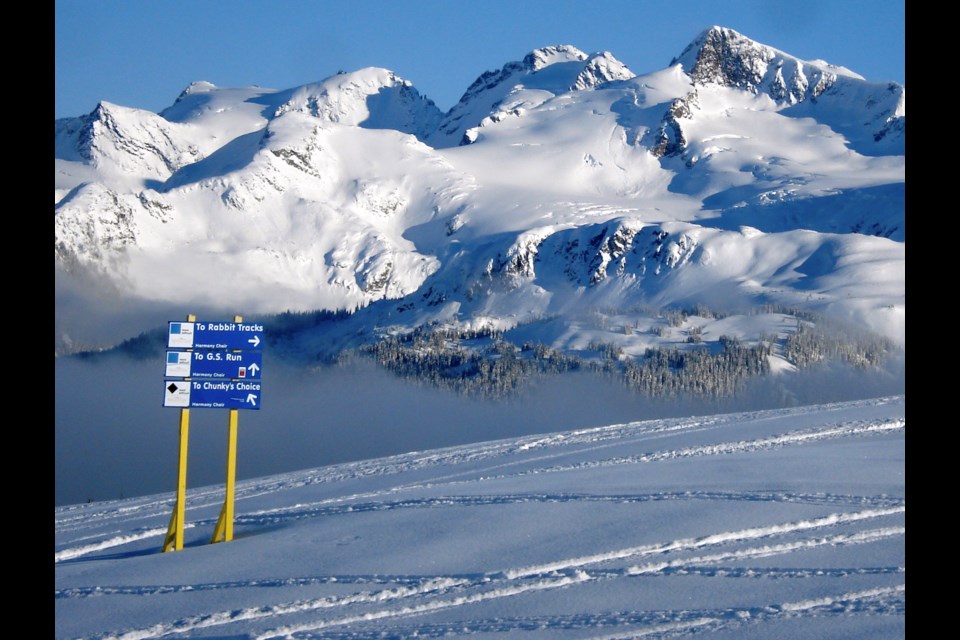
562,196
520,86
862,111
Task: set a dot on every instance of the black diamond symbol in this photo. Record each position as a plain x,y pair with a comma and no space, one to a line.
172,387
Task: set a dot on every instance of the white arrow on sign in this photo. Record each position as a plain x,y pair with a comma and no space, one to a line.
255,340
252,398
253,368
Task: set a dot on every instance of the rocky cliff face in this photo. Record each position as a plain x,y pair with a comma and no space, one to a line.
863,111
724,57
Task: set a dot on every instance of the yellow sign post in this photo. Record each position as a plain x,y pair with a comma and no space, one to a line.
215,365
224,529
174,537
223,532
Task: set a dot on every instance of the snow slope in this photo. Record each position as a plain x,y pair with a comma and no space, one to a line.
767,524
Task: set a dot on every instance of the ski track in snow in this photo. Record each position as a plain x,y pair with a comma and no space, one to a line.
435,593
302,511
557,444
384,605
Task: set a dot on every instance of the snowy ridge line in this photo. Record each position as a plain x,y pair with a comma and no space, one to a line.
518,581
67,554
753,533
301,511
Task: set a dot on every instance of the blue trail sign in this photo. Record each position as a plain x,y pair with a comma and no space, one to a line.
212,394
214,364
247,336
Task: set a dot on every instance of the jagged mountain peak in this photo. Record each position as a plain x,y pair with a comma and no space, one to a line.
530,71
372,97
355,86
540,75
198,86
869,114
368,79
722,56
107,111
717,40
545,56
125,144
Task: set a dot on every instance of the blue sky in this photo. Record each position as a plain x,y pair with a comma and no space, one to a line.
143,53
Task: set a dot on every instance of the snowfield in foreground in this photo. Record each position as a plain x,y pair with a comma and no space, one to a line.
785,523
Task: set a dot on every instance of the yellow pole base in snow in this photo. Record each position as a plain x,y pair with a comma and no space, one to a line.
224,529
174,537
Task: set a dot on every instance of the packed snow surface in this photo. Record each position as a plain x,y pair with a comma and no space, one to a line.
766,524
